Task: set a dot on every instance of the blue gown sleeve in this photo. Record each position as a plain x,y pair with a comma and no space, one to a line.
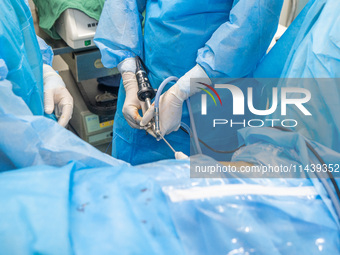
237,46
46,51
119,33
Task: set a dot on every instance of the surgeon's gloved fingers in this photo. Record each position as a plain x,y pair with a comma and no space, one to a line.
132,124
148,115
66,115
49,101
129,79
132,116
64,102
131,103
167,128
170,111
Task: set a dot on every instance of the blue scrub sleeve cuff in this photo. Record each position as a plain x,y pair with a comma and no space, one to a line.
46,51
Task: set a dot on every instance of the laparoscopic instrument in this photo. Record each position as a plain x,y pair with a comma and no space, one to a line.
145,91
145,94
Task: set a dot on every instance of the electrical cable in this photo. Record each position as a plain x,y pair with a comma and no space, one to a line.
310,147
212,149
331,194
107,148
335,197
330,175
185,128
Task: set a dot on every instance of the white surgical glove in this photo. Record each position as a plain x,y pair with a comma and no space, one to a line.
56,96
171,102
132,104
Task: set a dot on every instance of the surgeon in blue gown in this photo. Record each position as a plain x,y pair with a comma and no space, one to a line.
187,39
28,60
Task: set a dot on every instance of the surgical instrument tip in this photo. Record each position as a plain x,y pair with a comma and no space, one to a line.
168,143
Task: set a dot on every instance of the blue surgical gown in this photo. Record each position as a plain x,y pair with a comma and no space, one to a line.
309,55
227,38
23,53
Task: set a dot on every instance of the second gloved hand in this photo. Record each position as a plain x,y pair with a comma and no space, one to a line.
171,102
131,104
170,110
56,96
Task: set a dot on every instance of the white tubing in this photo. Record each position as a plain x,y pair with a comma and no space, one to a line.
193,128
161,87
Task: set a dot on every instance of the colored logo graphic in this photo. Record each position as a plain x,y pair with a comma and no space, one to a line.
209,93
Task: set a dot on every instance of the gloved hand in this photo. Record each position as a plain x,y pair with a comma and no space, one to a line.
56,96
171,102
170,110
132,104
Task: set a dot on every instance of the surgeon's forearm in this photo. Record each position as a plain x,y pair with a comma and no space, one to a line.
238,45
119,33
